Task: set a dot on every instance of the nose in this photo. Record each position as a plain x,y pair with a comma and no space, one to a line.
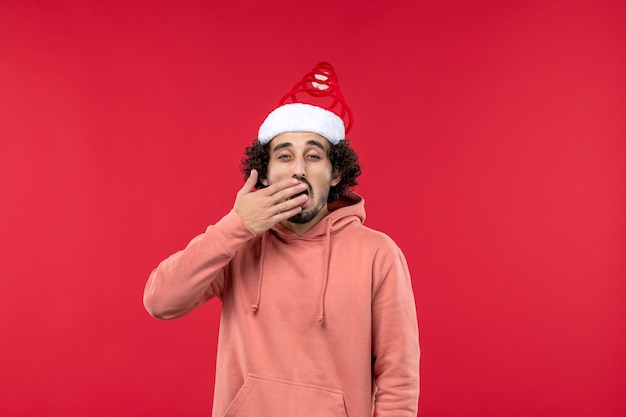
299,168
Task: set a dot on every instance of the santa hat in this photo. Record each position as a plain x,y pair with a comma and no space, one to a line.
315,104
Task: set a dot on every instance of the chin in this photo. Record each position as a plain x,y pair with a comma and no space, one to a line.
303,217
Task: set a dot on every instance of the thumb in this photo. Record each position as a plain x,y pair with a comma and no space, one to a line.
248,186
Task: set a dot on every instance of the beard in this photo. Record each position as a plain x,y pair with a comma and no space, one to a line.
307,216
304,216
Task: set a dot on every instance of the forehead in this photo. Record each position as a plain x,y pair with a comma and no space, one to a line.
299,139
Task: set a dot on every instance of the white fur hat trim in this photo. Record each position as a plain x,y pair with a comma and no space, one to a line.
301,117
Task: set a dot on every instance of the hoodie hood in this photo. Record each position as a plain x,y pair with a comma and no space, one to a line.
345,211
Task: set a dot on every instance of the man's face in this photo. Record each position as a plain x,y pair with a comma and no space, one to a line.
303,155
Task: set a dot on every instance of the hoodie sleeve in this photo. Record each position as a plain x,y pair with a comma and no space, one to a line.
195,274
395,343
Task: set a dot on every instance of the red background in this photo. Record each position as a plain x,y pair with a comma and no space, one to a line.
492,137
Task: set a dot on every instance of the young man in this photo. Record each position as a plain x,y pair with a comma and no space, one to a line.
318,315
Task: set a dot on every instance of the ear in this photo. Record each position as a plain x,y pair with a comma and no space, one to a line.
336,178
265,182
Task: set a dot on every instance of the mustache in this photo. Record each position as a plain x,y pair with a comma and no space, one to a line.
304,180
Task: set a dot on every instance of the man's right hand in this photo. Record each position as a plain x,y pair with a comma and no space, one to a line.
262,209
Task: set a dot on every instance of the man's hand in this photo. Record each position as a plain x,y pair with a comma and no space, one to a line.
262,209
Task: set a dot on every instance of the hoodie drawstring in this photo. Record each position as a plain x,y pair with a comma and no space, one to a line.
255,306
320,318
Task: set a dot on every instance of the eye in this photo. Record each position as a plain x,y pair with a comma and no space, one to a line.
283,157
314,157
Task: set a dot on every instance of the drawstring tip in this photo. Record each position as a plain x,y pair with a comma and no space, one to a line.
254,307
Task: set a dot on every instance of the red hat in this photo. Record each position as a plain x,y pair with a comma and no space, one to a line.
315,104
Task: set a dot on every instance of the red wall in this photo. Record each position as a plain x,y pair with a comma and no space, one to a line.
493,140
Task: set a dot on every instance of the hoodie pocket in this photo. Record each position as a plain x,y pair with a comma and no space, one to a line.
262,397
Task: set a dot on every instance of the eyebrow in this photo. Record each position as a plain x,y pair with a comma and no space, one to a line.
308,142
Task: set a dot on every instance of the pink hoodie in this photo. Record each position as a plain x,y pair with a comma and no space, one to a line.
322,324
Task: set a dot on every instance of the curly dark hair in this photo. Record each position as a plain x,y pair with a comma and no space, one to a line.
342,157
